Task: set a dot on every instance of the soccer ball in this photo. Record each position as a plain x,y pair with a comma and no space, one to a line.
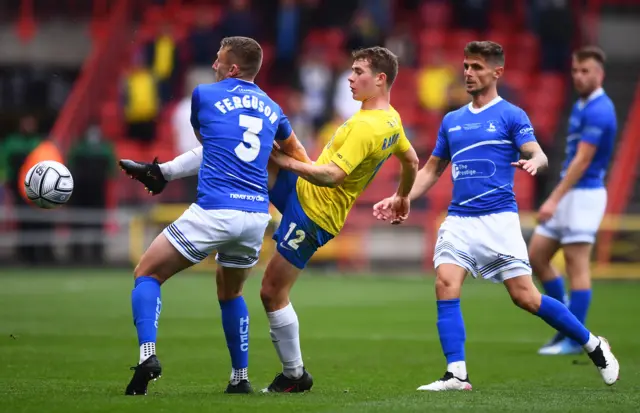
48,184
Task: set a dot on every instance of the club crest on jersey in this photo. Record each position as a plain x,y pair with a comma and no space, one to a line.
491,126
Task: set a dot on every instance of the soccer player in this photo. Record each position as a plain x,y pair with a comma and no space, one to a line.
570,217
481,234
237,124
315,208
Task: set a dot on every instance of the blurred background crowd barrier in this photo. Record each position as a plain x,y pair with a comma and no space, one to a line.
111,79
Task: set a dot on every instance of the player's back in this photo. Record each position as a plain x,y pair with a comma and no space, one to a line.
359,147
592,121
481,144
238,123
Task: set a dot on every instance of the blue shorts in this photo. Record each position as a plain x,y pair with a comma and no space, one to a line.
297,237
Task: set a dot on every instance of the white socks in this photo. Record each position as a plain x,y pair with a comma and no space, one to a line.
286,339
459,369
147,350
592,344
238,375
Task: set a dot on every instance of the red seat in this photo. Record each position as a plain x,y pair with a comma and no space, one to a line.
432,39
518,80
457,40
435,14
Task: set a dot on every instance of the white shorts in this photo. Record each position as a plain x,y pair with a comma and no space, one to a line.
577,217
236,235
491,246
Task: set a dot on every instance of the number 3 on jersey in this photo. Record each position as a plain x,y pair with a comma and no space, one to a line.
294,243
249,137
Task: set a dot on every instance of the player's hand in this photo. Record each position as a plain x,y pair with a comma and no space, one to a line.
382,211
547,210
280,158
527,165
394,209
400,208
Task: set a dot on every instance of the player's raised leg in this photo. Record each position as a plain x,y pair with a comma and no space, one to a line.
449,280
235,323
161,261
525,295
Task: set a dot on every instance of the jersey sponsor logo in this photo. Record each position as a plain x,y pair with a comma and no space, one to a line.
473,168
592,131
471,126
455,129
245,197
241,89
491,126
527,130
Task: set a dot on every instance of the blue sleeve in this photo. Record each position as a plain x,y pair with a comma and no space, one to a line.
284,128
195,105
442,144
521,129
595,121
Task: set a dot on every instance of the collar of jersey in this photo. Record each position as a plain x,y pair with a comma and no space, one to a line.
475,111
595,94
239,80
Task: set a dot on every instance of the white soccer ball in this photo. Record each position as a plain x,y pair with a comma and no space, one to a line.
48,184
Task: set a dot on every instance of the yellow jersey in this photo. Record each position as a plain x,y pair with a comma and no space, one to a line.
359,147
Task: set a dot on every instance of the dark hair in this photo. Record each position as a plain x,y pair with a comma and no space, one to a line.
247,53
590,52
491,52
381,60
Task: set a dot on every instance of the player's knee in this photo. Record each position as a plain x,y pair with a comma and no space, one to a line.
273,294
527,299
447,287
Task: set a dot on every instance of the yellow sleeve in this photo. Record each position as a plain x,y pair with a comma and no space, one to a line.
357,146
403,144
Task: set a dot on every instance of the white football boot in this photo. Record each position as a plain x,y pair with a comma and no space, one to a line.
606,362
447,382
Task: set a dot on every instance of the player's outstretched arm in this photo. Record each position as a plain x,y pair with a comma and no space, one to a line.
400,203
294,148
533,158
425,179
329,175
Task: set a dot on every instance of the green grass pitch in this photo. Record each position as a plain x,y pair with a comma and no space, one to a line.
67,342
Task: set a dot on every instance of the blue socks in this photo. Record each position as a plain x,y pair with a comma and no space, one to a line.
146,306
558,316
451,329
579,299
555,289
235,322
579,304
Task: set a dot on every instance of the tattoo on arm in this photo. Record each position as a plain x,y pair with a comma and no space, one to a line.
442,166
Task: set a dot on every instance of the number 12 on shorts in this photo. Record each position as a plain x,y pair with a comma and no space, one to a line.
294,243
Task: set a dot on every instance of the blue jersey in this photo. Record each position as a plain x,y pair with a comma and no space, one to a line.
592,121
238,123
481,144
